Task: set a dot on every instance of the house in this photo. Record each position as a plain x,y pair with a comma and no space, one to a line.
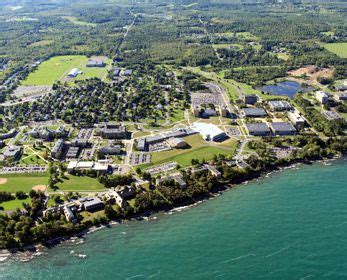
177,143
253,112
296,119
250,99
258,129
58,149
209,132
73,73
341,87
322,97
12,152
91,204
282,128
280,105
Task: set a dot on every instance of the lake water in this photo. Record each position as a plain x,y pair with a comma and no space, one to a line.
287,88
291,225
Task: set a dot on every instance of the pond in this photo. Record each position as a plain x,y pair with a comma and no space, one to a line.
287,88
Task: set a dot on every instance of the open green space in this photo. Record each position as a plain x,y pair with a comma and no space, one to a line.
79,183
56,69
76,21
14,204
23,182
339,49
200,149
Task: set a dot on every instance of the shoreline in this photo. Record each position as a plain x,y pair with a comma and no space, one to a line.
28,253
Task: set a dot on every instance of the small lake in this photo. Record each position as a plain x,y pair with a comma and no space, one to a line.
287,88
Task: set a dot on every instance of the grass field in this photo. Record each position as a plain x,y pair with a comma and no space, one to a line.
80,183
14,204
74,20
56,69
339,49
23,182
200,149
41,43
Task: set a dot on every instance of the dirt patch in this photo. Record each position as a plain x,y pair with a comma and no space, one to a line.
3,181
311,73
40,188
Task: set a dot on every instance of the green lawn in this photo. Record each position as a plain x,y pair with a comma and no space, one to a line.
80,183
23,182
14,204
200,149
56,69
339,49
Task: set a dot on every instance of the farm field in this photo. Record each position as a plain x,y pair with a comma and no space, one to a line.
339,49
80,183
56,69
23,182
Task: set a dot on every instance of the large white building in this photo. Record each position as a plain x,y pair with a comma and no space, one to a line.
209,132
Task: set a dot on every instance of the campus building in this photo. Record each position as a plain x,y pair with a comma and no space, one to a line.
209,132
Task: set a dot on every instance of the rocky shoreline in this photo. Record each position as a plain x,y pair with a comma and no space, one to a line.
29,252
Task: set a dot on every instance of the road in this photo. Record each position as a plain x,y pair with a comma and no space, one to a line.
210,38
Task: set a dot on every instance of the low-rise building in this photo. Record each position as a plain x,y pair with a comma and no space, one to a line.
8,134
58,149
126,191
296,119
280,105
282,128
12,152
110,150
258,129
209,132
177,143
73,73
69,215
72,152
113,131
322,97
91,204
141,144
340,96
178,179
95,62
332,115
250,99
253,112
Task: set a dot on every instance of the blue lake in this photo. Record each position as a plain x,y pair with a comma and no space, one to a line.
287,88
291,225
